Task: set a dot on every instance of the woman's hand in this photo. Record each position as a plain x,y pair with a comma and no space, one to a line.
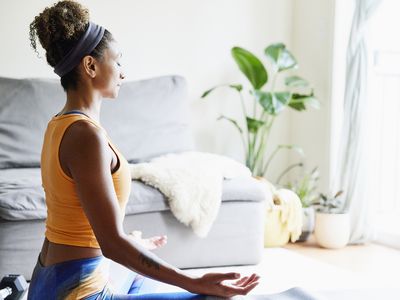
150,243
215,284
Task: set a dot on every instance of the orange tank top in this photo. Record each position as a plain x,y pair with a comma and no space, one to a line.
66,221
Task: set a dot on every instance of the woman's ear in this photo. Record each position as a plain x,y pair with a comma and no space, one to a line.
89,66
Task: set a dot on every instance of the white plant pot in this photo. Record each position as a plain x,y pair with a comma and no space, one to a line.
332,230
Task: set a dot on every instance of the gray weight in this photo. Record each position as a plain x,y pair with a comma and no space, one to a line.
16,283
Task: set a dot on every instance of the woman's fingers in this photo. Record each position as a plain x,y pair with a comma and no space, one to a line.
251,286
217,284
159,240
247,280
137,234
233,290
149,243
156,242
240,281
255,279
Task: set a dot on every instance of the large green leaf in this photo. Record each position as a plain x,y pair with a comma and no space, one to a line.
272,103
283,97
251,67
266,101
300,102
299,106
295,81
280,56
253,125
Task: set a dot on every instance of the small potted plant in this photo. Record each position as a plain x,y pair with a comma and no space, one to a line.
332,222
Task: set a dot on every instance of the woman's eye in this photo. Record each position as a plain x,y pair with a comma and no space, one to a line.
118,64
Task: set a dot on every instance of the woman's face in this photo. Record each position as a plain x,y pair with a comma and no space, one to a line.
109,75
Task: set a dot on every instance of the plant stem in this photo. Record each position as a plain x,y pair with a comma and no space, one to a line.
264,139
242,102
266,118
246,146
254,108
274,81
253,147
244,143
270,159
287,170
274,78
252,142
264,135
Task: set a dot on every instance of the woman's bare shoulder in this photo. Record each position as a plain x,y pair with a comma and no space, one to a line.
83,144
83,129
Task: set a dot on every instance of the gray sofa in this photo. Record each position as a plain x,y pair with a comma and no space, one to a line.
149,118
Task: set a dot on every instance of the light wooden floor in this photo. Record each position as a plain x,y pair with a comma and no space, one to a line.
370,269
373,260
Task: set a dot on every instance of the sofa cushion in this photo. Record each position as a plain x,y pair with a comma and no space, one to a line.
26,106
145,198
22,196
149,118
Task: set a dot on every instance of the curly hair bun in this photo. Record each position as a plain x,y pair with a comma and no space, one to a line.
58,27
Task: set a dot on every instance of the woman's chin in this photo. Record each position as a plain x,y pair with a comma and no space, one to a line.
112,95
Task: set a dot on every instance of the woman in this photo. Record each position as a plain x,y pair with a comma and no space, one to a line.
87,180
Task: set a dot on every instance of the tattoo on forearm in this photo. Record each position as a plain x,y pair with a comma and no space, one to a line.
148,262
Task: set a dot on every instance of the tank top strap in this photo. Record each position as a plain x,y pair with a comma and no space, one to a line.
72,116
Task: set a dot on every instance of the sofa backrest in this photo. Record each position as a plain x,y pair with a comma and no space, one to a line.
150,117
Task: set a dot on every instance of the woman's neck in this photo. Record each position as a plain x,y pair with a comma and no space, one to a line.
87,102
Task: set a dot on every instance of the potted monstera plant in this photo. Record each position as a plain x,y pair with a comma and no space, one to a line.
268,102
263,102
332,221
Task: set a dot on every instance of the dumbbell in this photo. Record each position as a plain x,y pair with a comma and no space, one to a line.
12,287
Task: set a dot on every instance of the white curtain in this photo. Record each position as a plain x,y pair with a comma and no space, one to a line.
352,167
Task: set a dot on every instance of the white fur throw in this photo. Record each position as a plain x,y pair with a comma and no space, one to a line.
192,183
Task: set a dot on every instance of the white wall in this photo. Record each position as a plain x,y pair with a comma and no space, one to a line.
193,38
313,30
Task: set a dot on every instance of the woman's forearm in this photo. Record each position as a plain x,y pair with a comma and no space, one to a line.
132,255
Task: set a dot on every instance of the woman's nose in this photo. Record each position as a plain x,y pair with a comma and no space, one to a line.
122,75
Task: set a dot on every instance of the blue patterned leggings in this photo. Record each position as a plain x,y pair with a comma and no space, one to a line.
72,279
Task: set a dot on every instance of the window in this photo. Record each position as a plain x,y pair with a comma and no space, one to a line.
383,140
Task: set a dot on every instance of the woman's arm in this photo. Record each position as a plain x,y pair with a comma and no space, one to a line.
88,161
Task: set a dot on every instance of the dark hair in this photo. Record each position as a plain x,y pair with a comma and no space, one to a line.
58,28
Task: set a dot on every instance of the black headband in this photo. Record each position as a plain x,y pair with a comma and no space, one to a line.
85,45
